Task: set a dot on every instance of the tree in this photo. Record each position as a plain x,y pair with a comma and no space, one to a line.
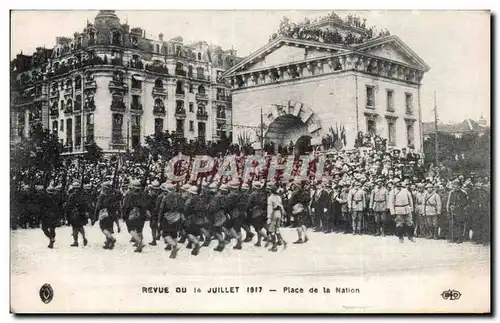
94,152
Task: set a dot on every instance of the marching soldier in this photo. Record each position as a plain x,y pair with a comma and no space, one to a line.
356,203
194,212
275,213
49,215
245,188
105,211
432,210
134,213
170,216
299,201
457,203
218,215
235,207
379,204
401,207
152,208
257,208
76,207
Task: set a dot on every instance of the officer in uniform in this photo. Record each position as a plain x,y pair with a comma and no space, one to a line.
344,207
152,204
432,210
76,207
104,213
134,212
257,208
379,202
322,208
169,216
247,220
419,210
357,204
401,207
457,203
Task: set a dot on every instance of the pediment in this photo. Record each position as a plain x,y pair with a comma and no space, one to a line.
281,55
392,52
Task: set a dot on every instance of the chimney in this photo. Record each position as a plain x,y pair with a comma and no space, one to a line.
160,36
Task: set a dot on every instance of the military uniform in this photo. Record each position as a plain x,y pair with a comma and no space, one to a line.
104,212
76,208
50,215
432,210
357,204
401,207
457,204
134,213
379,201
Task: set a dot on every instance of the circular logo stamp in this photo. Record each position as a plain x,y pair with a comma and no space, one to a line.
46,293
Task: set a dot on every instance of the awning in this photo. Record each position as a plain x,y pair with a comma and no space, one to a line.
138,78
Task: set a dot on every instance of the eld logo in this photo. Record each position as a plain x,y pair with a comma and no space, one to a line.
46,293
451,294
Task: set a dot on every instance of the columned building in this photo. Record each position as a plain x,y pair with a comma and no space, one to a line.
112,85
307,88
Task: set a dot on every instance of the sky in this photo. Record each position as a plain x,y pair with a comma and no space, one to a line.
455,44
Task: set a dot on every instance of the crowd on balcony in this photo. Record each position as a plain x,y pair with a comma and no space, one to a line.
308,30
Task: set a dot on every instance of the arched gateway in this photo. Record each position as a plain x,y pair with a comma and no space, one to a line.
289,123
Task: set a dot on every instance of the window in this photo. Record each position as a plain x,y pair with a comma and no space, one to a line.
370,97
62,125
190,71
191,125
136,83
409,103
157,48
136,102
158,83
371,127
191,107
78,131
199,56
201,130
117,122
54,126
200,72
201,89
69,131
180,126
221,125
90,119
62,104
390,100
191,88
410,134
136,121
392,133
135,141
179,88
158,125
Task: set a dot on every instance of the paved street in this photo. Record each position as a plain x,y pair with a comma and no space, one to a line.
390,275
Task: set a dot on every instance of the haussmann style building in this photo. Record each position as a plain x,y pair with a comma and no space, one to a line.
313,78
112,85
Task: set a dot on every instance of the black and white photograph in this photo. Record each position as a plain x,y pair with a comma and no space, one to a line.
250,161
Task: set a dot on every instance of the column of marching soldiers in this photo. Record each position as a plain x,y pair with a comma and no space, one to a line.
226,213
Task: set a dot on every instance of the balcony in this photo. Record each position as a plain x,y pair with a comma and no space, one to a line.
90,85
157,69
117,85
68,91
201,97
180,72
180,95
409,111
221,116
118,106
89,106
117,144
68,110
90,130
77,106
54,112
203,116
180,113
159,91
136,108
202,77
54,94
223,98
159,111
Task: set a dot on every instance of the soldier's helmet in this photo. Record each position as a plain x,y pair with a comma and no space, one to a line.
193,190
135,184
155,185
245,187
185,187
223,188
50,190
234,185
257,185
213,187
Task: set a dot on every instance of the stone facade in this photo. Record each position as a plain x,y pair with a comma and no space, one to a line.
112,85
306,87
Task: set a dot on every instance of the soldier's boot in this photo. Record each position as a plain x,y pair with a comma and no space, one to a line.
51,244
206,243
379,232
131,239
85,242
258,244
201,238
74,244
106,244
410,233
139,248
249,236
220,246
173,253
183,239
189,245
168,247
153,243
196,249
112,243
299,241
274,248
238,245
282,241
399,233
382,232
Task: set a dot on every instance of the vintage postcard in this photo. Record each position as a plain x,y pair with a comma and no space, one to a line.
264,161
